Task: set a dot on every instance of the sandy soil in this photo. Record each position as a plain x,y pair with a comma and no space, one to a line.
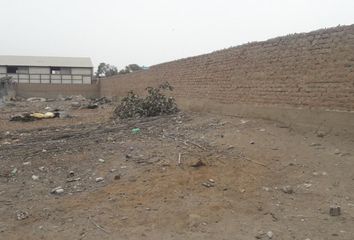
150,188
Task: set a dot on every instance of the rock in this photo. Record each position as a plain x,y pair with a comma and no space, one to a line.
211,180
92,106
337,152
71,174
252,142
57,190
35,177
198,164
270,234
320,134
287,189
26,163
48,108
75,104
334,210
117,177
101,160
208,184
41,168
266,189
21,215
99,179
315,144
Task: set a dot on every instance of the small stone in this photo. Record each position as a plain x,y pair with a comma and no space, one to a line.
99,179
252,142
266,189
26,163
71,174
270,234
198,164
21,215
337,152
315,173
101,160
307,185
75,104
321,134
113,170
287,189
334,210
315,144
41,168
57,190
211,180
35,177
44,150
207,184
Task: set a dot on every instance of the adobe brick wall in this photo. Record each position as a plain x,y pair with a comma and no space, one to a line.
55,90
313,70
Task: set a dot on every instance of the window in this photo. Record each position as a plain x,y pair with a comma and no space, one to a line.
11,70
55,70
59,70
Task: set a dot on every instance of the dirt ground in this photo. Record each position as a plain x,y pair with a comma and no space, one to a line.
187,176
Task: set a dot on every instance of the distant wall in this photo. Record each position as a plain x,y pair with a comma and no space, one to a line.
312,70
300,79
55,90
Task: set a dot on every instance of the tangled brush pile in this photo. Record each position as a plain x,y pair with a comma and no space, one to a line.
156,103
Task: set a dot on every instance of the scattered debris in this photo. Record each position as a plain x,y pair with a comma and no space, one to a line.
29,117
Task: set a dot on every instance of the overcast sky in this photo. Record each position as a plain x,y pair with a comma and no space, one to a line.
154,31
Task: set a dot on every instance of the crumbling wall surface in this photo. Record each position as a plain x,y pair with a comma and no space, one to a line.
311,70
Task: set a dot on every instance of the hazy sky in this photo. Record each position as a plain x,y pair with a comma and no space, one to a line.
154,31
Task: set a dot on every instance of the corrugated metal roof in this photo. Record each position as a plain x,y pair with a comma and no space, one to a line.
45,61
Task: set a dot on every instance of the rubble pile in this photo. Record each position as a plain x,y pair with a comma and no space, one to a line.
156,103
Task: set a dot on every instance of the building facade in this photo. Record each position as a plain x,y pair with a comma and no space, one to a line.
49,70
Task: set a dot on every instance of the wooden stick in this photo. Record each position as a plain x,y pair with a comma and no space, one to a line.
98,226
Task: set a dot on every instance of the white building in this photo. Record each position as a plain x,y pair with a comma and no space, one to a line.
49,70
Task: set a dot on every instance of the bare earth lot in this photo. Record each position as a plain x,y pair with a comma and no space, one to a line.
150,190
